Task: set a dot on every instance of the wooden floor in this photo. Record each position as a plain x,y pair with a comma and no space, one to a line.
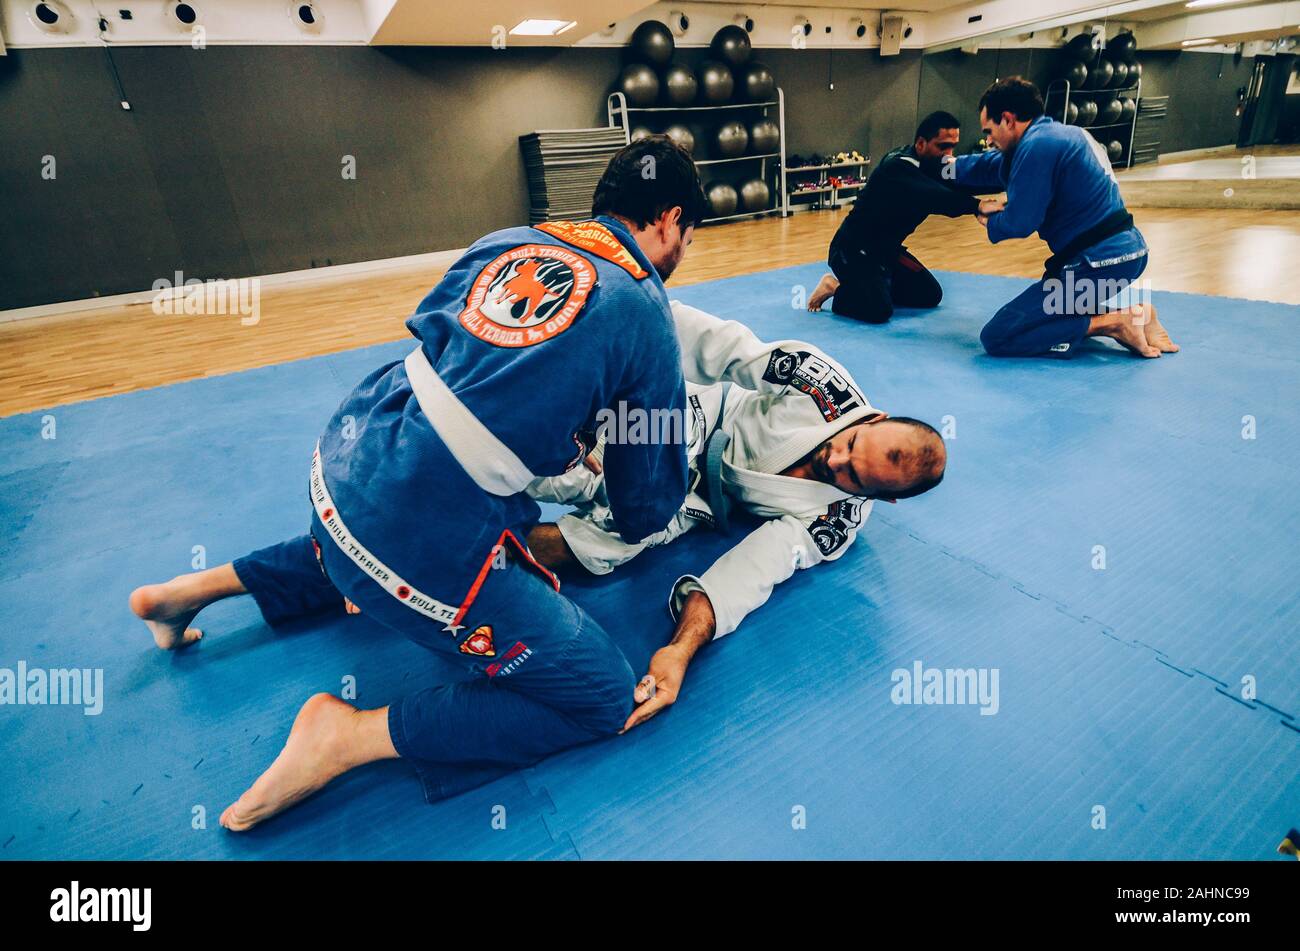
47,362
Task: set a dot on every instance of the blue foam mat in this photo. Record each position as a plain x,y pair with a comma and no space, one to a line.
1119,688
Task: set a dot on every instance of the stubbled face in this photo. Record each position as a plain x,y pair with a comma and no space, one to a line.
1002,133
865,459
931,152
672,250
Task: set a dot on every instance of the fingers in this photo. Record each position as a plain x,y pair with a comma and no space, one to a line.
646,711
592,463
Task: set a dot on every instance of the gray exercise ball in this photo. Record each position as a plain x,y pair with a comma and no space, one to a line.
757,84
652,42
722,200
680,85
731,46
754,195
640,84
682,136
764,136
731,140
716,83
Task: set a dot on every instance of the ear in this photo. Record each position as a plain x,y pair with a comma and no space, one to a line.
878,417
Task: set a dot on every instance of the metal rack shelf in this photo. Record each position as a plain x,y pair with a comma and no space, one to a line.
738,158
1133,92
618,112
730,105
835,201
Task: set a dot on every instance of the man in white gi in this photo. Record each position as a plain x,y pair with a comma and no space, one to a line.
778,429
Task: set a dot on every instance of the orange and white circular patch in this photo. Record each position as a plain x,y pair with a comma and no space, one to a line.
528,295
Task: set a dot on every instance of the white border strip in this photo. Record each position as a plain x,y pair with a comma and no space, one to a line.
280,279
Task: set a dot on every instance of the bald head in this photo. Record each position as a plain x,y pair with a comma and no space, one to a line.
883,458
916,455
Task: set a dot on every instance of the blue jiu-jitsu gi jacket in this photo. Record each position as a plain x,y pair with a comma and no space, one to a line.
420,473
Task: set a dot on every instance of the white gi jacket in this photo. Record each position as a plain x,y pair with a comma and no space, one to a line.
788,398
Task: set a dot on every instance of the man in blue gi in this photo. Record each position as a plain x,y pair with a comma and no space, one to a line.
1059,183
419,513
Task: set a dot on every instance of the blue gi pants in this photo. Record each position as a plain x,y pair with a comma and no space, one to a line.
1051,317
553,679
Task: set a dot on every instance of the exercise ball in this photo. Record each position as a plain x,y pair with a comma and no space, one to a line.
1087,113
731,140
1062,112
682,136
757,83
764,136
1115,150
640,84
638,133
1076,74
1100,74
652,43
1109,113
1129,110
716,83
1083,47
1134,74
754,195
722,199
1123,47
679,85
1120,76
731,46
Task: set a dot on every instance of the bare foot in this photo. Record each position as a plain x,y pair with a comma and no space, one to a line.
1155,332
324,743
1127,328
168,609
823,292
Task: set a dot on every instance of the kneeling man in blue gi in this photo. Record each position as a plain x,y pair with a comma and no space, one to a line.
1059,182
419,511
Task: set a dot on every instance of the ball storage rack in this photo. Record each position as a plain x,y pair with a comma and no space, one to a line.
1061,87
771,164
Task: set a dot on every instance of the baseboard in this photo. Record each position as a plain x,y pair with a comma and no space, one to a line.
1189,154
280,279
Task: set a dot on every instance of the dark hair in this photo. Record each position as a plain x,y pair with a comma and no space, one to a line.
647,178
935,121
923,465
1015,95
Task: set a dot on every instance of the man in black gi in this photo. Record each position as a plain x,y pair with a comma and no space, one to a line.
873,272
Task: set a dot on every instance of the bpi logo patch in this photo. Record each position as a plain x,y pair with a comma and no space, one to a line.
479,643
811,374
528,295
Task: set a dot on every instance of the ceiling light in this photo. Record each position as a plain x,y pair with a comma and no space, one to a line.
1202,42
1193,4
532,27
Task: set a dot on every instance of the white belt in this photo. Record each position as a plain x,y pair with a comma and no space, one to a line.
489,461
386,577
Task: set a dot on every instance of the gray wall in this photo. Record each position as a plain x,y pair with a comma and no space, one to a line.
228,163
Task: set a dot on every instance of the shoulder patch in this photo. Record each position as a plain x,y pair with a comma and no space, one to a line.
810,374
830,532
528,295
594,237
